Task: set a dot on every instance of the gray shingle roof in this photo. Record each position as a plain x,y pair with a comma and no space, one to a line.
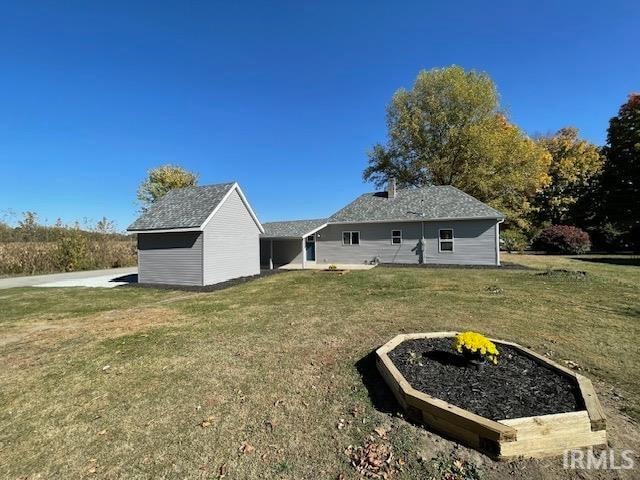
185,207
292,228
427,203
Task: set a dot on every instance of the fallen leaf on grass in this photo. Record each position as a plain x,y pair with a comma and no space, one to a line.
374,460
382,432
246,448
572,365
271,426
206,422
102,432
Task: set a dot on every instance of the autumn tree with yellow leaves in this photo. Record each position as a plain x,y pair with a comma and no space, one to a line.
162,179
449,129
574,167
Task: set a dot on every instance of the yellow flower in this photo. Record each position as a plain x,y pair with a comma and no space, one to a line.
474,342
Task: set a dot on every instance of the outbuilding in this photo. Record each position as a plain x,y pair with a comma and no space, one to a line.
198,236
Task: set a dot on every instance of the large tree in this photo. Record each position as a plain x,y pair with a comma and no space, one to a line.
162,179
574,168
620,181
449,130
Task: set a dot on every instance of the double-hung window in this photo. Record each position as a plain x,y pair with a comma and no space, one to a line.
350,238
396,237
445,240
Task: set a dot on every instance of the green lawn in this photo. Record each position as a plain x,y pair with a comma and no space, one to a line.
116,383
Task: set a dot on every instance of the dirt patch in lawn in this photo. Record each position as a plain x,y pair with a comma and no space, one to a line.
516,387
111,324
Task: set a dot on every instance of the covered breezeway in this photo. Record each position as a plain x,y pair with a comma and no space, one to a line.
290,243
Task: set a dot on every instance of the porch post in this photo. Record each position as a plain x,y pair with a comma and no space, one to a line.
304,254
270,254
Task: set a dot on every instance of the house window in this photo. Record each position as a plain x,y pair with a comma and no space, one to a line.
396,237
350,238
445,240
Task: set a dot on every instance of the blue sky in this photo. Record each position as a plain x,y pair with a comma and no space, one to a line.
284,97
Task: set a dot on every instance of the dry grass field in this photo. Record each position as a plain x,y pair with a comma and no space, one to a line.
30,258
274,378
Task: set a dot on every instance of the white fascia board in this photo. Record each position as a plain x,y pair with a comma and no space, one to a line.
278,237
294,237
315,230
237,188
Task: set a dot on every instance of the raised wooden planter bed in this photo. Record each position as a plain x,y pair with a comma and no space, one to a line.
536,436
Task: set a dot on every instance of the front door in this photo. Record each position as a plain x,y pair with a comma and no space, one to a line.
310,248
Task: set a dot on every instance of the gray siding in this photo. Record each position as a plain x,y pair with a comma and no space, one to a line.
170,258
284,251
375,241
474,243
231,243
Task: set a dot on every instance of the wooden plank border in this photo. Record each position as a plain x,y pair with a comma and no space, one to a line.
500,439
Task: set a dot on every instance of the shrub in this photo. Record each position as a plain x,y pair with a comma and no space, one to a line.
72,253
514,240
564,239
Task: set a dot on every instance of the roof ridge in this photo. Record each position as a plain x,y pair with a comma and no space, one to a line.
300,220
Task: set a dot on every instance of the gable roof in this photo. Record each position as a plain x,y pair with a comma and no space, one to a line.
188,209
427,203
293,228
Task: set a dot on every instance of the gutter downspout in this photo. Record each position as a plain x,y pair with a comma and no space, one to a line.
498,241
423,244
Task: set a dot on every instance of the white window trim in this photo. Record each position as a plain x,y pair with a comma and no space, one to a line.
452,240
395,236
351,232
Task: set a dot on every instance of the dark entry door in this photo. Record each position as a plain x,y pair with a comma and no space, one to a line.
310,248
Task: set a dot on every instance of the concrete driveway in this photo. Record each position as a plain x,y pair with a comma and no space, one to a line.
91,278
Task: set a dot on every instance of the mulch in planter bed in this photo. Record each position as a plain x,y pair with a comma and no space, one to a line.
517,387
503,266
204,288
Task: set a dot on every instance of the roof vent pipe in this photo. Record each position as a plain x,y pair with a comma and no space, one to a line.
391,187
